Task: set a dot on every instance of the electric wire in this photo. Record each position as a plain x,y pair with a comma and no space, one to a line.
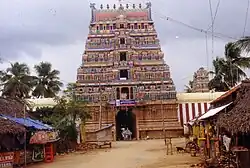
212,26
246,17
213,18
215,14
207,55
211,11
215,34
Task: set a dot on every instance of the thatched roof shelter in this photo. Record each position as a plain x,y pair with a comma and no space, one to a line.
237,120
11,107
10,127
14,108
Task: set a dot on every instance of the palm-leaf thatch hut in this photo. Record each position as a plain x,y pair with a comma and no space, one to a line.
10,127
236,123
237,120
11,133
14,108
11,107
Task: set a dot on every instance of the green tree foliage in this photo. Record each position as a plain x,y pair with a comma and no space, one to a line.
244,44
218,83
47,81
189,87
68,111
229,71
17,81
41,113
70,91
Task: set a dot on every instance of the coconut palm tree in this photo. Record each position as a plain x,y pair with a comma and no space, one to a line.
189,87
244,44
229,71
218,83
47,81
17,81
235,64
70,90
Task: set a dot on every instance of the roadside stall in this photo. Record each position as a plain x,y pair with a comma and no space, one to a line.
39,141
11,139
236,127
209,132
43,142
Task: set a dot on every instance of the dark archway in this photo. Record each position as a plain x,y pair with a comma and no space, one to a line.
125,119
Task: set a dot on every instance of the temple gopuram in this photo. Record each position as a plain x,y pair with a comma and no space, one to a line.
123,76
200,81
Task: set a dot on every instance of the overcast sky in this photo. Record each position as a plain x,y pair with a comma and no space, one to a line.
55,31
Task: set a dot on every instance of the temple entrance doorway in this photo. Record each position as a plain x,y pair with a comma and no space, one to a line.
125,118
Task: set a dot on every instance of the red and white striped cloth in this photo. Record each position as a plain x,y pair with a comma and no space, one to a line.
188,111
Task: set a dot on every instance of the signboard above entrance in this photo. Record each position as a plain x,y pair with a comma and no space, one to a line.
125,102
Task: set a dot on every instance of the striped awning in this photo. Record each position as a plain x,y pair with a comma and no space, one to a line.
189,111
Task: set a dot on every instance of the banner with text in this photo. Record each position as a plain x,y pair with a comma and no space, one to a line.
125,102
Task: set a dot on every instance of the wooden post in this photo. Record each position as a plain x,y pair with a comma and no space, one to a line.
100,107
208,142
25,135
114,120
169,146
137,129
237,153
163,116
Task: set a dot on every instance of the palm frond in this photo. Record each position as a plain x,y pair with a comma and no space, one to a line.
48,84
243,62
244,44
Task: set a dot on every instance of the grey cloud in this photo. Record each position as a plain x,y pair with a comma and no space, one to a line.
229,20
28,29
46,22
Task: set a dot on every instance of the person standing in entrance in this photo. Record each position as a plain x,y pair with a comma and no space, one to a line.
129,133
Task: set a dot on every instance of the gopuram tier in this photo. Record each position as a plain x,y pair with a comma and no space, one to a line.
124,78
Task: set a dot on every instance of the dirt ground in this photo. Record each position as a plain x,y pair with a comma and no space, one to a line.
130,154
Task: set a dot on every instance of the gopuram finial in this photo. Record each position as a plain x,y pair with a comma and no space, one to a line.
121,7
120,3
148,4
92,5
